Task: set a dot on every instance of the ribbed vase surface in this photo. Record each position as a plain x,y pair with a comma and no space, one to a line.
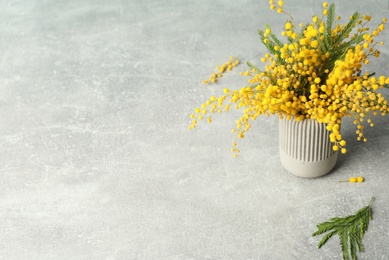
305,148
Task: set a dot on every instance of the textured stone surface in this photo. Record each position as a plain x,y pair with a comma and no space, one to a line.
96,158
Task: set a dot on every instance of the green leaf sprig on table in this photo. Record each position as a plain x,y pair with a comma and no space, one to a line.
350,230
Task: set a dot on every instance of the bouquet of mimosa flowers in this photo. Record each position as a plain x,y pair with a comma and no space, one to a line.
316,70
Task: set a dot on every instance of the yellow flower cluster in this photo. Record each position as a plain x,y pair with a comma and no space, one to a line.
276,5
317,74
355,179
227,66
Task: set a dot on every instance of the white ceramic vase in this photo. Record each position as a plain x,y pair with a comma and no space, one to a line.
305,148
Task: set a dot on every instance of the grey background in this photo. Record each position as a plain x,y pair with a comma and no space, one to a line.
96,158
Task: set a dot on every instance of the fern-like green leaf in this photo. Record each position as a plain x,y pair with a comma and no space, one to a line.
268,43
350,230
325,238
343,235
324,227
322,46
347,29
253,67
269,75
352,242
329,23
276,40
364,222
359,244
352,42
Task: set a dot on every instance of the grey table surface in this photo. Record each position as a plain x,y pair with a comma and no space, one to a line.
96,158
